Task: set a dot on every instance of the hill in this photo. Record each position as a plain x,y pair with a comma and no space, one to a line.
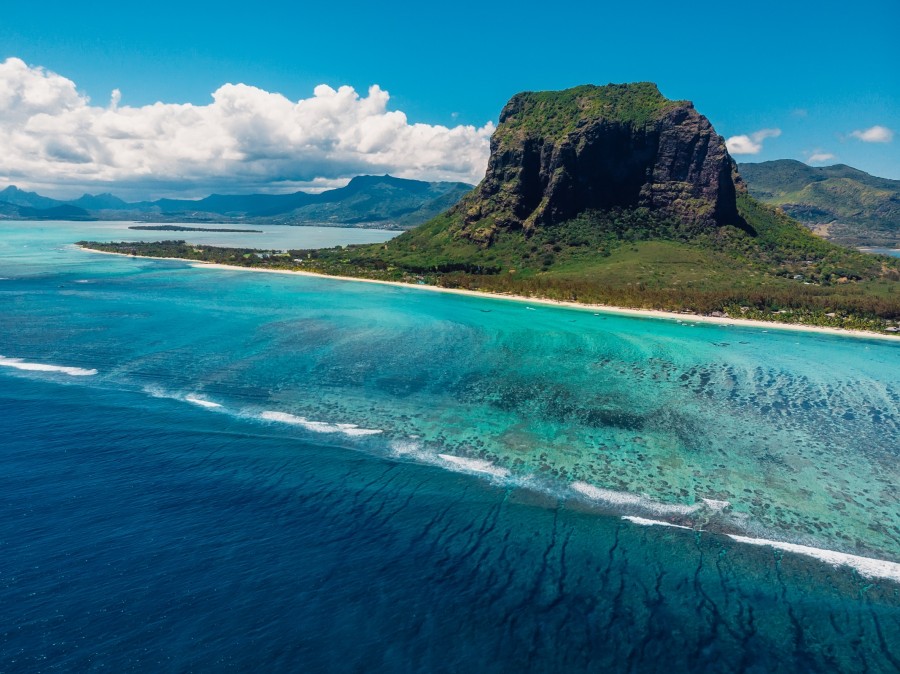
380,201
842,203
620,196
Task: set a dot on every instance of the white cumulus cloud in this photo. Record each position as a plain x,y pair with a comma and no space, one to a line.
752,143
245,139
874,134
819,157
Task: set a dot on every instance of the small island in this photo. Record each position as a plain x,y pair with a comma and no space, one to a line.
182,228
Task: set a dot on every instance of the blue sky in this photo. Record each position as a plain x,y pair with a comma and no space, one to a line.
816,73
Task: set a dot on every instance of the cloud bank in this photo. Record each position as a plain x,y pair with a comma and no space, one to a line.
752,144
246,139
874,134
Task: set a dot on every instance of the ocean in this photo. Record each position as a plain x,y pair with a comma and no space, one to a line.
208,470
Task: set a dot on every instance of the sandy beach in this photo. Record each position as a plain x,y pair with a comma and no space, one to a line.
599,308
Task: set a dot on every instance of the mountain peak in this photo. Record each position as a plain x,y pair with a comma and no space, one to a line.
556,154
369,180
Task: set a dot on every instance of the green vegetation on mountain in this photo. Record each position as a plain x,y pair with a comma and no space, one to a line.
612,195
554,114
843,204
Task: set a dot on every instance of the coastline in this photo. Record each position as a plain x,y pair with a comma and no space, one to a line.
599,308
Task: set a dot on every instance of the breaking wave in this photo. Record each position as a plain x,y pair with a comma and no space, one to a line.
318,426
19,364
644,522
201,402
475,465
865,566
627,499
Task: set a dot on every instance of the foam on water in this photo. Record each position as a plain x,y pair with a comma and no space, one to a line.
406,447
19,364
318,426
715,505
644,522
475,465
159,392
626,499
201,402
866,566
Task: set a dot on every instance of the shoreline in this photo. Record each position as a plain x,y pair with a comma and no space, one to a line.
600,308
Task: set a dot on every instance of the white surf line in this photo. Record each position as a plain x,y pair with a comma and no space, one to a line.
200,401
352,430
715,505
624,498
644,522
475,465
866,566
20,364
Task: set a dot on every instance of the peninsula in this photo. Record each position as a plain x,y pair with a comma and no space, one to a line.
611,195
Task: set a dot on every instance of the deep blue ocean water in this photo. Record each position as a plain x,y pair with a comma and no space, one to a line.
227,470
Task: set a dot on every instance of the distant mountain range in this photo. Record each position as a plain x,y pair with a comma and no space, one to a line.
382,201
838,202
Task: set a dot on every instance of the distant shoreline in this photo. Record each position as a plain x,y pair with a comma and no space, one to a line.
182,228
878,250
600,308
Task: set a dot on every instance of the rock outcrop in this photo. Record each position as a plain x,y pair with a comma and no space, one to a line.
557,154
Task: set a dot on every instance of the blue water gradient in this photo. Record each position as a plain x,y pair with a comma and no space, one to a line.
270,472
894,252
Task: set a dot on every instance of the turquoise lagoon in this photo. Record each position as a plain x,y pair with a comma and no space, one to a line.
895,252
208,469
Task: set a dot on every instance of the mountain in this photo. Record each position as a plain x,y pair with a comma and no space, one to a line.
365,199
62,212
99,202
231,205
12,211
13,196
842,203
558,154
382,201
618,195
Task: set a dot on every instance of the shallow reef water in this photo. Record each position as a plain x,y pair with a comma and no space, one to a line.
206,469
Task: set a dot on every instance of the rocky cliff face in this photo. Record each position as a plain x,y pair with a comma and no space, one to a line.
556,154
